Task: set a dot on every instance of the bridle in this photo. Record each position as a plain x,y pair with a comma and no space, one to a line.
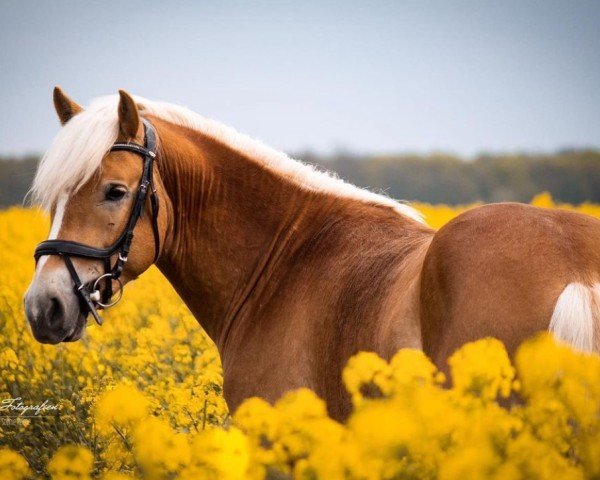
93,299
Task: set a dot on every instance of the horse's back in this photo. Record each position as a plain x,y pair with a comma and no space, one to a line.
498,270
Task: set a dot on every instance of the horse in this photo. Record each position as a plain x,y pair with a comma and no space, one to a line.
288,269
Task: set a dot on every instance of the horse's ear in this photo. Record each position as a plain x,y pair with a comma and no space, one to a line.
65,107
129,118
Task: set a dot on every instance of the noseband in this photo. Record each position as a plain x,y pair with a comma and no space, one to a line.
92,298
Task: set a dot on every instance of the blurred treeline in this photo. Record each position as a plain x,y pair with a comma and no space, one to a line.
570,176
16,175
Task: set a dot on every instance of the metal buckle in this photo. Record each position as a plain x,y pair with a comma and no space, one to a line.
95,295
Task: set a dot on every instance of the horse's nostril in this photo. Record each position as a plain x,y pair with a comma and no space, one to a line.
55,311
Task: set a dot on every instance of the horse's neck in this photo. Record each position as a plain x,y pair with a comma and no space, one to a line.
229,215
236,226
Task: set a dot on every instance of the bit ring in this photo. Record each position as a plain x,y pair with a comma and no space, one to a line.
119,295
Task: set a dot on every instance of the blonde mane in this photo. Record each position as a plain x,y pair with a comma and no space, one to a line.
78,149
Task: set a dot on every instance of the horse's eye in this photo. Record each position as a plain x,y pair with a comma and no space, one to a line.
115,193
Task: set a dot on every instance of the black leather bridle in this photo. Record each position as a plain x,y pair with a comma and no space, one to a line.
92,299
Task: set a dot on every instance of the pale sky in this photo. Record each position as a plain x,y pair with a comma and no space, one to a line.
371,77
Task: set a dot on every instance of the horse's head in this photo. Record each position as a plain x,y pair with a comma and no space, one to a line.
93,191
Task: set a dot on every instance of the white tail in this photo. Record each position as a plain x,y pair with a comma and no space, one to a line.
576,317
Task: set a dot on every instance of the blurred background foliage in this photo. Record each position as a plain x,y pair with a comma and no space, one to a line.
571,176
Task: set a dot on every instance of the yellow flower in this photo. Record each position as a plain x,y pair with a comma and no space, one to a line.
409,366
12,465
158,450
8,359
71,462
475,462
301,403
543,199
120,409
482,369
257,418
531,456
218,454
366,377
115,476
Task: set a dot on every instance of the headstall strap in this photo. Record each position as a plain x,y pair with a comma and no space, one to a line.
94,299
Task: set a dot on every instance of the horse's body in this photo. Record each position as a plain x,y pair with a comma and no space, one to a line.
291,272
288,281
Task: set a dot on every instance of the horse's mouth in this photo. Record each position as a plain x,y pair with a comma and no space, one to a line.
78,330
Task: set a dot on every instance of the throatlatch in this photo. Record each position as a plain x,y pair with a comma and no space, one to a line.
90,296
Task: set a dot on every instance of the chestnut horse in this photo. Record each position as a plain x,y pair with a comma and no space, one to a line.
290,270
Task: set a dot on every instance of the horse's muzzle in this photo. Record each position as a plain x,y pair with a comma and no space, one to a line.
54,316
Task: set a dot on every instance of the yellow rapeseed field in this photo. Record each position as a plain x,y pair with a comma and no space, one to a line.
141,398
